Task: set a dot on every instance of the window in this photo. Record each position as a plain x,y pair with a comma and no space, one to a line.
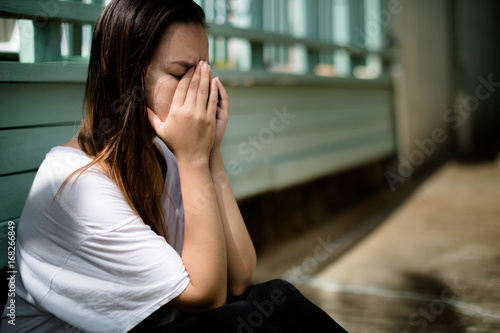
336,38
329,38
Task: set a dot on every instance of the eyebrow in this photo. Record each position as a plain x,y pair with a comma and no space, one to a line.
183,63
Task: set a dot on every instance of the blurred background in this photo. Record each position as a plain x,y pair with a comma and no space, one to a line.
340,111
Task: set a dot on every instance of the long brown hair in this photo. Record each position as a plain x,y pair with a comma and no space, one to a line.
115,130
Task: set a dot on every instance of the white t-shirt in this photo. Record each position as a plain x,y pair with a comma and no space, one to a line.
85,260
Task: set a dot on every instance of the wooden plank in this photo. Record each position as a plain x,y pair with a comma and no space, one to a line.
301,171
40,43
261,178
250,181
13,193
261,77
254,109
296,167
41,11
48,42
241,127
70,72
38,104
27,147
43,72
75,37
262,99
338,141
261,151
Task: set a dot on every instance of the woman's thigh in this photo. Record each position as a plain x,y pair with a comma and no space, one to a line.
289,309
273,306
241,316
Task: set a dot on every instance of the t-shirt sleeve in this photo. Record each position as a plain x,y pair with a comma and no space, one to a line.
117,271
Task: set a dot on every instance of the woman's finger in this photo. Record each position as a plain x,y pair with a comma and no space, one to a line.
192,90
181,90
203,89
224,99
154,120
212,101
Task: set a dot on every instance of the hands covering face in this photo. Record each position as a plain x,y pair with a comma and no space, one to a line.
197,118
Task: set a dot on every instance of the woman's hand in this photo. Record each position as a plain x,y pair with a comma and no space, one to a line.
189,129
222,116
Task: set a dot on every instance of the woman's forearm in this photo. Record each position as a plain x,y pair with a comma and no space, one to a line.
204,250
241,257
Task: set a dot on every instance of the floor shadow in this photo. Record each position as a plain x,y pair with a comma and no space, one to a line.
435,310
423,305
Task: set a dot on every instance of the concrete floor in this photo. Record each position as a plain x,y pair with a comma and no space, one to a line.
432,265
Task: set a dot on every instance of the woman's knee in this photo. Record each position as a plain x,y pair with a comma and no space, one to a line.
275,291
279,287
281,284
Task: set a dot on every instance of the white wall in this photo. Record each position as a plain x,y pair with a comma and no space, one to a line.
422,71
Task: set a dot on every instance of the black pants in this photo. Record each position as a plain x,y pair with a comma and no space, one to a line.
274,306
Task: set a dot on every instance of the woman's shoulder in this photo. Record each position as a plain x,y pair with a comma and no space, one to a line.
90,197
60,165
68,156
73,143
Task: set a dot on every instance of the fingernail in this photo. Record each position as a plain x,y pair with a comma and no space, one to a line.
200,64
206,67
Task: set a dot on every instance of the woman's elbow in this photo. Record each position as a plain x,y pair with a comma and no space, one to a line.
238,287
194,300
244,280
212,300
213,303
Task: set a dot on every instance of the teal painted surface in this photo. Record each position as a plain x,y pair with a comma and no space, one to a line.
54,9
25,148
13,192
5,227
283,136
31,104
43,72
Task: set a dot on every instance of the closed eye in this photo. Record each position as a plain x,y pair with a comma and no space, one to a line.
177,76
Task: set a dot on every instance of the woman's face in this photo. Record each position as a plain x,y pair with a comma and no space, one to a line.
181,46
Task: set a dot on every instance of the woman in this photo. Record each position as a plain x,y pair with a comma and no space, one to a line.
132,225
